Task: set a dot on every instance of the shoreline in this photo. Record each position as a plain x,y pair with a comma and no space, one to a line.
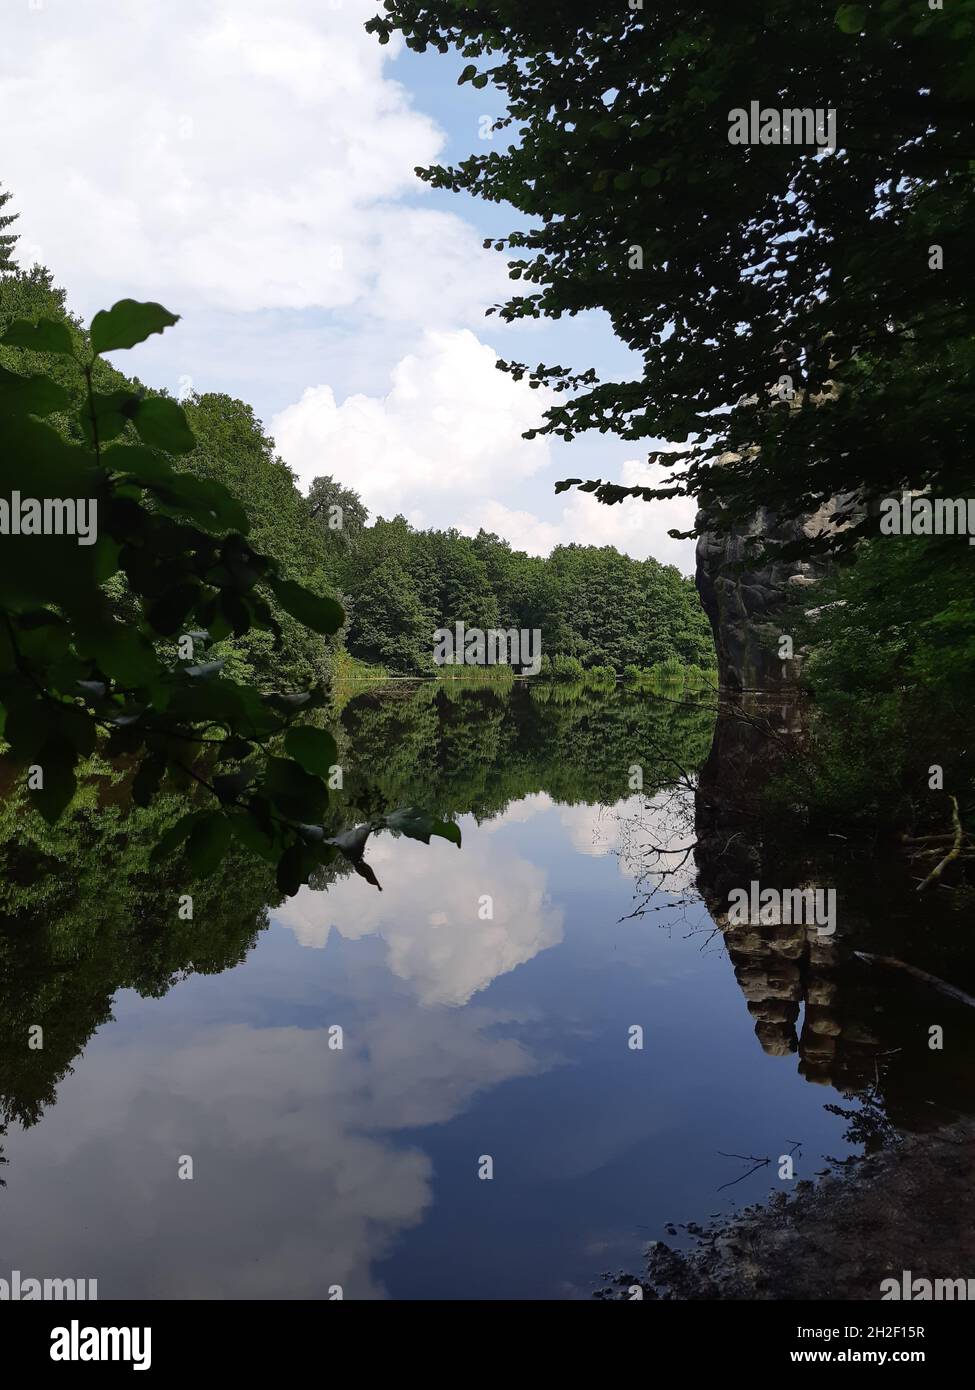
890,1222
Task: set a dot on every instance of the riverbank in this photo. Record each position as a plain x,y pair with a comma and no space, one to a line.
907,1208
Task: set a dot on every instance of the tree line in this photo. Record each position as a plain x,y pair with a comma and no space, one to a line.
593,606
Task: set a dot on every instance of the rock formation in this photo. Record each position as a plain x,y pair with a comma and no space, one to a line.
748,602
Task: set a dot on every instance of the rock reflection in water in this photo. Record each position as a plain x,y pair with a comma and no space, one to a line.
858,1028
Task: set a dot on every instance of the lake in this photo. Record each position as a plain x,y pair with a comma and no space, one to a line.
551,1003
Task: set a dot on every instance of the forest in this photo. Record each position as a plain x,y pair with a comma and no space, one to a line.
594,606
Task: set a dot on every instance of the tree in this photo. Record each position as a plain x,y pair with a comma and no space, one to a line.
465,593
389,626
802,317
339,513
233,449
7,239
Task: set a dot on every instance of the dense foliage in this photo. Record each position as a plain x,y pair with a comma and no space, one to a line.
589,603
892,668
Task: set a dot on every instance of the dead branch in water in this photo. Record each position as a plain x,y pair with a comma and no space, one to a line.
755,1161
953,853
943,986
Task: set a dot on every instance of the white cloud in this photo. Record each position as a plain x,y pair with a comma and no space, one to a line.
637,528
428,914
447,438
523,530
252,166
595,830
634,527
451,426
235,155
517,813
299,1182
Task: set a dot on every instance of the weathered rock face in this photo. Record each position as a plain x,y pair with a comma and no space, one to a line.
745,607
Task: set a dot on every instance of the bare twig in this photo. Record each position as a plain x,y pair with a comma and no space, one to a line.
953,853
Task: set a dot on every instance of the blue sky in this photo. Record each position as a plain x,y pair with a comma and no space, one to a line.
251,166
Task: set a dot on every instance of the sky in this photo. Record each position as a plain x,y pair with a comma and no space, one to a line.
251,166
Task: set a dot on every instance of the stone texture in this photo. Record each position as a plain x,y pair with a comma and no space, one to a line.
745,607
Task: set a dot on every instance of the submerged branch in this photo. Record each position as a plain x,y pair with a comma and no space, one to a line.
942,985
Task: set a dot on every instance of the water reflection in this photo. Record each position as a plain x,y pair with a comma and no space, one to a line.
493,912
465,1032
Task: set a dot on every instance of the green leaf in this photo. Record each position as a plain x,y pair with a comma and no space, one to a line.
162,424
43,636
235,748
31,395
77,728
469,72
125,655
230,785
28,727
235,612
287,704
112,411
208,503
168,614
296,793
352,842
851,18
138,462
295,867
176,835
208,842
46,335
128,322
420,825
56,759
365,871
200,701
92,690
314,834
207,668
8,657
252,837
145,784
315,749
323,615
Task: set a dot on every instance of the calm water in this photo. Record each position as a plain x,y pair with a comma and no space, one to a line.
463,1036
